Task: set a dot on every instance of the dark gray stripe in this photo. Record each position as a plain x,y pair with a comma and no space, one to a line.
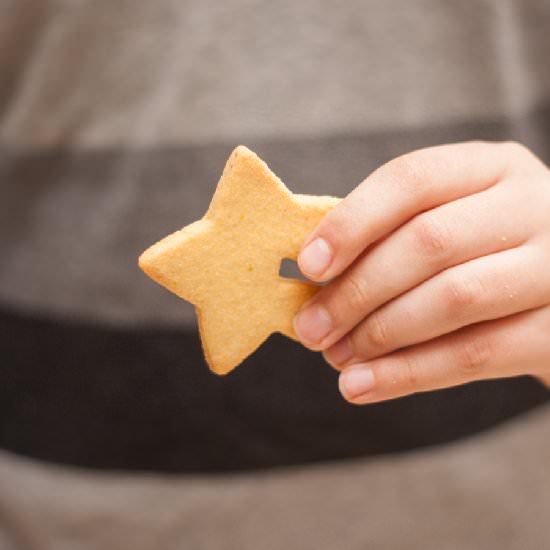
135,399
73,223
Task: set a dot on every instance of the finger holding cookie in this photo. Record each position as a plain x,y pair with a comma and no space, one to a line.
433,244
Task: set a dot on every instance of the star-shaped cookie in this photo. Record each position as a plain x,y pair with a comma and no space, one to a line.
227,263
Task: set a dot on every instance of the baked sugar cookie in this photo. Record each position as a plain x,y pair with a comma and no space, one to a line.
227,263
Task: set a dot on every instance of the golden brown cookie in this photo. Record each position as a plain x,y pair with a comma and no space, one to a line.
227,263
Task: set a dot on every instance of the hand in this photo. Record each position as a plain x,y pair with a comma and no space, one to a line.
439,270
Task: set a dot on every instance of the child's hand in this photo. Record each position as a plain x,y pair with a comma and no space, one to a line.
441,268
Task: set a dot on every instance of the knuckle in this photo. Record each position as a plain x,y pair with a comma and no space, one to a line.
407,171
334,226
519,155
461,293
339,229
355,291
376,330
432,236
514,149
473,355
411,373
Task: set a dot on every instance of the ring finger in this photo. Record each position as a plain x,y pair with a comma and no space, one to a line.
486,288
506,347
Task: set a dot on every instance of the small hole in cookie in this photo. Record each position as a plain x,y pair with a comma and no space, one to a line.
289,270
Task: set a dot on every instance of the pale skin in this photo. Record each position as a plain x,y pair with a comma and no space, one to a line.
438,270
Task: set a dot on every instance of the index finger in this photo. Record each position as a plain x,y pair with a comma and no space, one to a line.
395,193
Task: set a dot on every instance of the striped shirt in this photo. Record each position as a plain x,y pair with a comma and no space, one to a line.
115,121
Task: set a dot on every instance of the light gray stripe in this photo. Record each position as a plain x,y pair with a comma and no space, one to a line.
73,224
177,72
488,492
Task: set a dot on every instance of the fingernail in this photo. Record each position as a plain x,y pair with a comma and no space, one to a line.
356,381
340,352
312,324
315,257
